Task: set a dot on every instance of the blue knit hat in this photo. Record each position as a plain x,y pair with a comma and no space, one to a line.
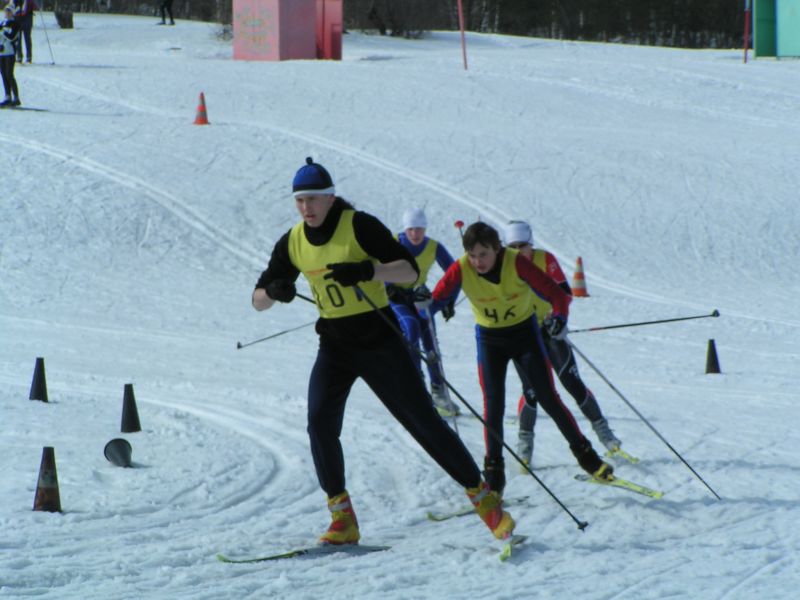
312,180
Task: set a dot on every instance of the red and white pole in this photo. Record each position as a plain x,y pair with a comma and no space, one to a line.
463,38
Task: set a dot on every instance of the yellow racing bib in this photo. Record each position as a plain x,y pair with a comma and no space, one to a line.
498,305
333,300
424,262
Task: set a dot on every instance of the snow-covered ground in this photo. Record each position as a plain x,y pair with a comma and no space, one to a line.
130,240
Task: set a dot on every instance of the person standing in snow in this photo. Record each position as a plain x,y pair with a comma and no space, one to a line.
518,236
24,11
166,9
9,33
501,285
419,326
347,255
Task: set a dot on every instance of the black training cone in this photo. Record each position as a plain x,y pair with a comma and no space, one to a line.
39,383
712,363
118,452
130,416
47,496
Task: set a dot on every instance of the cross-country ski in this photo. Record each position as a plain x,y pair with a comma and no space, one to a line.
310,551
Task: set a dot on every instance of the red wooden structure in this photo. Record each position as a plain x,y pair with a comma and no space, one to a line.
329,29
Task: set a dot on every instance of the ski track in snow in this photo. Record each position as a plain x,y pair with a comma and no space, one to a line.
176,206
181,209
229,461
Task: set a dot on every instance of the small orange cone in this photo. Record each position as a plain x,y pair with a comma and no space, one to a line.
202,117
712,362
47,496
579,282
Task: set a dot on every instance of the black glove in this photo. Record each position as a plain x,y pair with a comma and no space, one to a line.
449,310
422,294
556,327
281,290
350,273
397,295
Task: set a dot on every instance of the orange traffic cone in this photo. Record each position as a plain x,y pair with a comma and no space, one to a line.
578,281
202,117
47,497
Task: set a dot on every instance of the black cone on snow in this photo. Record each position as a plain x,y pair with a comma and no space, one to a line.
712,362
118,452
47,497
130,416
39,383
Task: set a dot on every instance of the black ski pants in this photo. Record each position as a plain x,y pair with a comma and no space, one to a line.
25,26
387,368
523,345
166,9
7,72
563,360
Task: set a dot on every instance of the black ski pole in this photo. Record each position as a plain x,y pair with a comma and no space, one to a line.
460,226
306,298
47,37
642,417
240,345
581,524
713,314
428,316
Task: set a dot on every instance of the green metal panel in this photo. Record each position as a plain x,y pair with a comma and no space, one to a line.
764,28
788,28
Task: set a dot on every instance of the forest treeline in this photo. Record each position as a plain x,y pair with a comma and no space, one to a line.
681,23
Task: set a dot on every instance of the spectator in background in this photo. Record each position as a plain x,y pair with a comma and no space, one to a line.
9,33
166,8
24,11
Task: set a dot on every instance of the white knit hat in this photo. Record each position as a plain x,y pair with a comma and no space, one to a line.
517,232
414,217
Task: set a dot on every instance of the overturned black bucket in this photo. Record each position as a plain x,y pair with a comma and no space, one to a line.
118,452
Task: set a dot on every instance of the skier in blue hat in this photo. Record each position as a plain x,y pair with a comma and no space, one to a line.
347,257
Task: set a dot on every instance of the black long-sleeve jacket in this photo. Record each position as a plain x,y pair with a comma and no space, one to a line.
377,241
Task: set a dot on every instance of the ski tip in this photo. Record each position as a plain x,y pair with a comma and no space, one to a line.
620,453
508,545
